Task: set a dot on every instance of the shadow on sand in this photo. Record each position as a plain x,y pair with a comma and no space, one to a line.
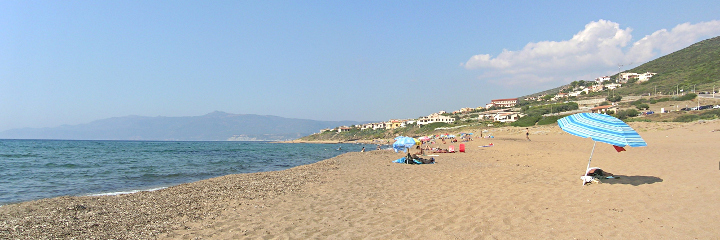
632,180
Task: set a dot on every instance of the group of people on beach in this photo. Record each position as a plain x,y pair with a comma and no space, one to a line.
416,159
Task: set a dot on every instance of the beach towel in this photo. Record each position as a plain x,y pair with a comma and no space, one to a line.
416,161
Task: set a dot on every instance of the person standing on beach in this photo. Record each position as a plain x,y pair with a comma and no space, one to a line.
527,134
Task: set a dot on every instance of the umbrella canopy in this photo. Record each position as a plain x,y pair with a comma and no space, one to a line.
424,138
601,128
403,143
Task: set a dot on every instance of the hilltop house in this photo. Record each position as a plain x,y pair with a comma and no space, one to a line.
644,77
612,85
559,96
508,102
433,118
577,93
502,115
597,88
600,80
394,123
487,115
507,116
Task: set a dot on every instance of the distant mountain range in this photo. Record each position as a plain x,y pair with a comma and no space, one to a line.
215,126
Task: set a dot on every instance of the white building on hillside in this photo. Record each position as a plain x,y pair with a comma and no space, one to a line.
612,85
645,76
507,117
433,118
600,80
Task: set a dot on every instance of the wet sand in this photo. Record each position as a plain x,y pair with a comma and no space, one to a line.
515,189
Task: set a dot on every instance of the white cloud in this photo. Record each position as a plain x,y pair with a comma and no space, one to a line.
594,51
663,42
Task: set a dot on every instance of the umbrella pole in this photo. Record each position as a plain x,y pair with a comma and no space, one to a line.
407,157
589,160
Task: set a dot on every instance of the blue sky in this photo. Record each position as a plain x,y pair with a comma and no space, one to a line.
73,62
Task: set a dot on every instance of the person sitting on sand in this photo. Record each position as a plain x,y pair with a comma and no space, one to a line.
414,159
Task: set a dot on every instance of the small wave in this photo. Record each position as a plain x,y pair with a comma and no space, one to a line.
127,192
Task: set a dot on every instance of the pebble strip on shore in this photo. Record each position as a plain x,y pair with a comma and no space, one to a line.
145,215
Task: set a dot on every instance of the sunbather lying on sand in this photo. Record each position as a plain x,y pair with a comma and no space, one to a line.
419,159
597,172
440,150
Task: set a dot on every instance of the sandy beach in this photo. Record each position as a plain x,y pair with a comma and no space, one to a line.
517,189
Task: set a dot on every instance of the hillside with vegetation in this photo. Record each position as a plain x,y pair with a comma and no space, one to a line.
696,67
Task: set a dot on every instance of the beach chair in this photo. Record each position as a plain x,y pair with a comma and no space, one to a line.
462,148
451,148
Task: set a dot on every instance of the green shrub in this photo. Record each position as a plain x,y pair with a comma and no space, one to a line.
614,98
642,106
686,118
638,102
526,121
623,114
435,125
549,120
689,96
710,114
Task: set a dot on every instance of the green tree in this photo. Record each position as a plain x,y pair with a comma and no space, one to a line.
615,98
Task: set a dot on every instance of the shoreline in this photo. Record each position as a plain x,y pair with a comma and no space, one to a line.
146,214
504,191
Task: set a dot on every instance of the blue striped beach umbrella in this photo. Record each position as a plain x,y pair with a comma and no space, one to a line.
601,128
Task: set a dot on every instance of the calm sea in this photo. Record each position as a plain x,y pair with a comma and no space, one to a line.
35,169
